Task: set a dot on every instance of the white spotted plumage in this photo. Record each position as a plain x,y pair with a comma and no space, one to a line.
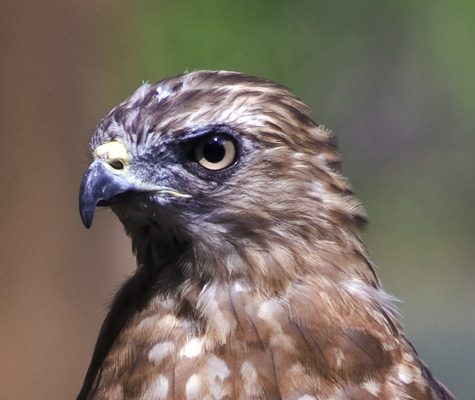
254,282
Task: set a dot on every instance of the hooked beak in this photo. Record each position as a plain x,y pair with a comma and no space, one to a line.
99,185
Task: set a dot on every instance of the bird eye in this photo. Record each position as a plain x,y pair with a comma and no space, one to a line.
215,152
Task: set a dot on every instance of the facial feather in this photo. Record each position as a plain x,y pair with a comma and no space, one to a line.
252,281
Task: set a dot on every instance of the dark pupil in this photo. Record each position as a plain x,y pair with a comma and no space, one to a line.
214,151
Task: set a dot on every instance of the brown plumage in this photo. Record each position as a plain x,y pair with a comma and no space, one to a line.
252,281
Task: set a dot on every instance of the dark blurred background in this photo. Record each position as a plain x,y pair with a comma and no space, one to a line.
395,80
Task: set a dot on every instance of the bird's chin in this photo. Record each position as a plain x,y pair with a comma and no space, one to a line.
118,199
134,210
143,214
152,226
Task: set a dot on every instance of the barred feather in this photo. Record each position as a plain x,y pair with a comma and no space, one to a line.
254,284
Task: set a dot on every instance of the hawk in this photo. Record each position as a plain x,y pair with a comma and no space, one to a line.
251,280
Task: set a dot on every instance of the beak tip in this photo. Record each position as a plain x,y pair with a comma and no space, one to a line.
98,184
87,212
87,221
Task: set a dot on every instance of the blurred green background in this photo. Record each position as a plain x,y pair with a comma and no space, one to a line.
394,80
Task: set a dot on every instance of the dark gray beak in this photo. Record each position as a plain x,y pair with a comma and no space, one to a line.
99,185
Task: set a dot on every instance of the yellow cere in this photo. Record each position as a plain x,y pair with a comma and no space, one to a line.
112,151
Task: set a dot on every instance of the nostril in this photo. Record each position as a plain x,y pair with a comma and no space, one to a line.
114,153
116,164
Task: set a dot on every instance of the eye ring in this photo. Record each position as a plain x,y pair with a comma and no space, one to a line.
215,152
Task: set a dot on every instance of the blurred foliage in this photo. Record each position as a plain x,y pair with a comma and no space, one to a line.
394,80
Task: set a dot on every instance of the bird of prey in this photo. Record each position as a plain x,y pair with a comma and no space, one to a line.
252,281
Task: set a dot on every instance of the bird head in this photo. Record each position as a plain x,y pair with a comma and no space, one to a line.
249,260
210,164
